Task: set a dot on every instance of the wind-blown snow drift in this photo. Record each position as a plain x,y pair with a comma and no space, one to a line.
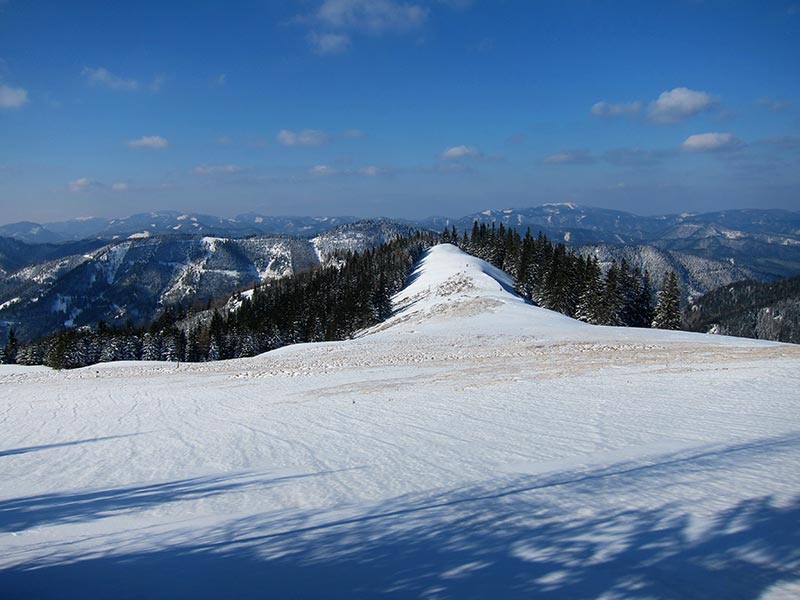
472,446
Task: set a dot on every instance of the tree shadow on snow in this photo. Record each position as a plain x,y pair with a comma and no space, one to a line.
57,508
514,541
26,450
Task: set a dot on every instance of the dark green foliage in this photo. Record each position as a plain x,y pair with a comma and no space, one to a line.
9,353
668,311
769,311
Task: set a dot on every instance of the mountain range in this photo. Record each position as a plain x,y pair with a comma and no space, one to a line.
72,273
131,279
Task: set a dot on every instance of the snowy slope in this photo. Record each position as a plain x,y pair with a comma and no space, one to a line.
473,446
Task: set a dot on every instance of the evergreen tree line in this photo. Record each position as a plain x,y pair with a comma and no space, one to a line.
553,277
326,303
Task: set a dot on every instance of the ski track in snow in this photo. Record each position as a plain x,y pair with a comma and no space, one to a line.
472,446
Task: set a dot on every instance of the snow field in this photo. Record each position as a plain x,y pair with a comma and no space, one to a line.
472,446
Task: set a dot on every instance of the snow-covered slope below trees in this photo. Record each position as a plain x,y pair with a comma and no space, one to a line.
475,446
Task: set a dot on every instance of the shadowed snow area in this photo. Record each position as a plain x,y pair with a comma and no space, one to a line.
472,446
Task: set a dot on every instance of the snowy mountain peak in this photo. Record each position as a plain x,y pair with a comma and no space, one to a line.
451,291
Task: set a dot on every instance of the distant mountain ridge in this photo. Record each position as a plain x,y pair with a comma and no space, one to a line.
132,279
169,223
166,257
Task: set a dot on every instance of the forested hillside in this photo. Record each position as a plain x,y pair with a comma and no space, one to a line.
767,311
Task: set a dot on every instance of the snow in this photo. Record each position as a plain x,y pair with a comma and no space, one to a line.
8,303
569,205
472,446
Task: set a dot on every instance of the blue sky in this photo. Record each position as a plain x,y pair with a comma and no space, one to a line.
403,108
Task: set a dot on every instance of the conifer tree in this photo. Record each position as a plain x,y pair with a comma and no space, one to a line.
12,345
667,311
590,300
613,299
642,311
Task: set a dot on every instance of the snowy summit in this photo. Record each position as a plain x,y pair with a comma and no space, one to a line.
470,446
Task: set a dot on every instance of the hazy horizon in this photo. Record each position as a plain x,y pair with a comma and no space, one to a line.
384,216
396,108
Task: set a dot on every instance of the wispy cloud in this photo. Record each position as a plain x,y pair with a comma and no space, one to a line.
354,133
326,171
83,184
104,77
711,142
306,137
372,16
157,83
12,97
370,171
329,43
679,104
460,152
323,170
607,109
333,22
220,80
216,169
152,142
570,157
773,104
120,186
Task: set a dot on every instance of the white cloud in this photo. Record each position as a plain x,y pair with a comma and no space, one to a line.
570,157
329,43
322,170
711,142
216,169
119,187
12,97
460,152
82,184
153,142
372,16
104,77
606,109
307,137
370,171
333,22
679,104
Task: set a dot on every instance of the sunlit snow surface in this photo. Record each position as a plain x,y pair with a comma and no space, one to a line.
473,446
